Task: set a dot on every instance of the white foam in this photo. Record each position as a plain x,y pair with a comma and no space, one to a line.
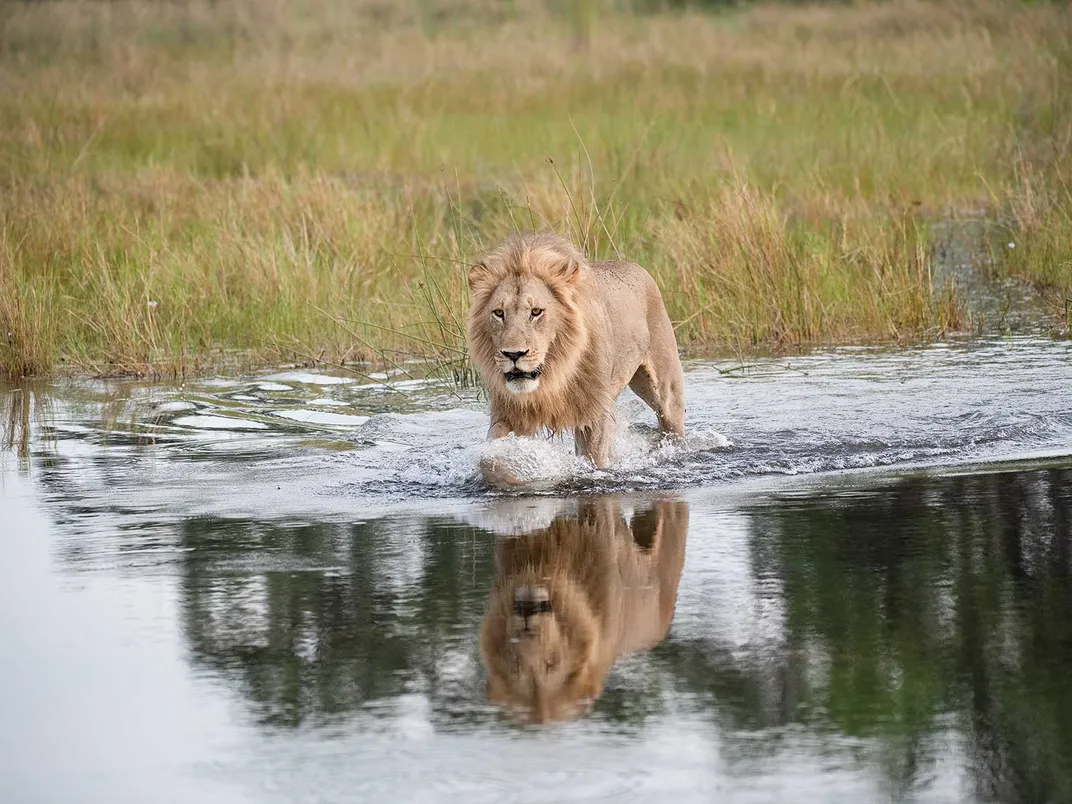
442,469
174,407
386,383
534,463
322,417
309,378
200,422
433,458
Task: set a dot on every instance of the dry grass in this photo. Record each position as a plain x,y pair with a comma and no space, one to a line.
178,179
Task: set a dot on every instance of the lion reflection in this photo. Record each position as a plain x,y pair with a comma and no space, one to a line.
571,598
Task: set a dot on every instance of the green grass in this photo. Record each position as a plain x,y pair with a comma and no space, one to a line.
311,180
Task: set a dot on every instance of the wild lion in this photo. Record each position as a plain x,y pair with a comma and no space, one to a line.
569,599
556,340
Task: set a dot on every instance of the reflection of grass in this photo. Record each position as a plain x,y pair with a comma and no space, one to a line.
363,627
931,598
911,617
179,178
23,409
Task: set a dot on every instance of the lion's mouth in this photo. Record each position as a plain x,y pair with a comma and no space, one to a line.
530,608
515,374
532,600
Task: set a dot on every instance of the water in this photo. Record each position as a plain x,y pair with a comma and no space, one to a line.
274,589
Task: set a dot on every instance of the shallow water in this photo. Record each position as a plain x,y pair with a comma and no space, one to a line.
273,589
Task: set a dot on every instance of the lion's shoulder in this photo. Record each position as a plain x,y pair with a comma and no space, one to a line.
619,279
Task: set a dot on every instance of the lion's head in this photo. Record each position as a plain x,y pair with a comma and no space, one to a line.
540,648
526,332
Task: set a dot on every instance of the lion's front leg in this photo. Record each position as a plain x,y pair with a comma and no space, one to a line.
594,441
495,466
498,429
501,429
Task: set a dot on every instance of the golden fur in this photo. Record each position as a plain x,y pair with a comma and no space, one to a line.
579,332
611,587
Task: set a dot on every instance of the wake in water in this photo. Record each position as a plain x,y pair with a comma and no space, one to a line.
848,410
643,459
418,454
535,464
302,437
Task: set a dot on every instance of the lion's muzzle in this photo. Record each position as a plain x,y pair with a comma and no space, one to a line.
530,602
516,374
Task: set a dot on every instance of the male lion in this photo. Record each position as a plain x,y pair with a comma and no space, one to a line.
569,599
556,339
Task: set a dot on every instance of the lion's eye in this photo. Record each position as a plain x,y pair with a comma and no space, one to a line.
498,314
537,312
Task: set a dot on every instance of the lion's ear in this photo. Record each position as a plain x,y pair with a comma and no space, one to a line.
569,272
479,276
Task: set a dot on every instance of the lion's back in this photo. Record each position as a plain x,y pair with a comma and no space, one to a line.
633,304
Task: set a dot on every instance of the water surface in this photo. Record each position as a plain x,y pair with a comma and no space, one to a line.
274,589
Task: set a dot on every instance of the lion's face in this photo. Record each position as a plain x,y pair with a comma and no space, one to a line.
523,316
538,645
524,327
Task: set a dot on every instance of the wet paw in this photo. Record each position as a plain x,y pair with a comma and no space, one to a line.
515,463
497,472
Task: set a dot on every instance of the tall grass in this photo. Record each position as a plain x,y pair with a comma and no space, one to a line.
310,180
1036,243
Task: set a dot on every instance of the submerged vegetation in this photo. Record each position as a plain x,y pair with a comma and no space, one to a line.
309,181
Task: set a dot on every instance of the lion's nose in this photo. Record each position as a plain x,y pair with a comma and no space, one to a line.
513,357
531,601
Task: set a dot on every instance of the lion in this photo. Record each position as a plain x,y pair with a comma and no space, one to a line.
571,598
556,339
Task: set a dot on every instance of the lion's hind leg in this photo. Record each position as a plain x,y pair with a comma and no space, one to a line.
661,385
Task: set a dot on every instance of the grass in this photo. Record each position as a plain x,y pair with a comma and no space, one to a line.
1036,243
183,181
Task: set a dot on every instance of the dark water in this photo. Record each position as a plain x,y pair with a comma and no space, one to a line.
800,605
